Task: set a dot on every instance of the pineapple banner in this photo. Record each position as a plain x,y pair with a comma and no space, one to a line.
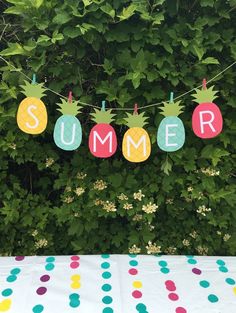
32,118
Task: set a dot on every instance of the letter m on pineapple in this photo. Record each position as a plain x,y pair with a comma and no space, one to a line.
136,144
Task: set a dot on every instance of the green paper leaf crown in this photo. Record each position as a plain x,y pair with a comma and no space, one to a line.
33,90
69,108
205,95
171,108
136,120
102,117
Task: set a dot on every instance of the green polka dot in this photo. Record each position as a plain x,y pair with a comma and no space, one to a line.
11,278
141,307
105,256
107,310
107,300
38,308
220,262
163,263
132,255
230,281
133,263
7,292
49,267
106,287
213,298
105,265
50,259
165,270
75,303
223,269
106,275
192,261
204,284
15,271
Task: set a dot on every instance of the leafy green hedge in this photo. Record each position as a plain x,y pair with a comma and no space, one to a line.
56,202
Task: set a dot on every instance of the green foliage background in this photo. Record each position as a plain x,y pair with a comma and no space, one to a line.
124,52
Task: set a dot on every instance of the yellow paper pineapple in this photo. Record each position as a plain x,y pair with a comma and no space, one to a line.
32,114
136,145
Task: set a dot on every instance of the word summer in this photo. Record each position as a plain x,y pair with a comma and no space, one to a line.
32,118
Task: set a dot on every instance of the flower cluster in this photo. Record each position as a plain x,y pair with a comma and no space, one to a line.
122,197
99,185
41,243
12,146
210,171
137,217
79,191
193,234
49,162
98,202
152,248
226,237
68,199
170,250
134,249
128,206
202,250
109,206
138,195
81,175
150,208
186,242
202,209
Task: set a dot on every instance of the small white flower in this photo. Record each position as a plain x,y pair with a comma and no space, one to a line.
138,195
79,191
134,250
152,248
128,206
150,208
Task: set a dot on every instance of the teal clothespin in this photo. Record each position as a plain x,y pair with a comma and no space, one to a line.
171,97
34,79
103,105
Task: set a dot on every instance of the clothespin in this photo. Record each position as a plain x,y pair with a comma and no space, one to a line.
34,79
70,97
171,97
135,109
103,105
204,83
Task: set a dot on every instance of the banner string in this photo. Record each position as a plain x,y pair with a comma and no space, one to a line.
122,109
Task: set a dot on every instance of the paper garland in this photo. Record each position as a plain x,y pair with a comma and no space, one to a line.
207,123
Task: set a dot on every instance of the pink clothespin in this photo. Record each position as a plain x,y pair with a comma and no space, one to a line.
135,109
70,97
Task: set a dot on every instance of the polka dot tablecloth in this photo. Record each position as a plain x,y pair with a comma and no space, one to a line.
118,284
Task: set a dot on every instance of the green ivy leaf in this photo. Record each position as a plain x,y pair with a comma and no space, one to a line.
210,60
14,49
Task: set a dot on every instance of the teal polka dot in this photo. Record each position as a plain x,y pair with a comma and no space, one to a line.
141,307
107,300
106,287
105,256
190,256
105,265
133,263
165,270
192,261
230,281
15,271
158,255
74,296
223,269
163,263
49,267
7,292
107,310
11,278
204,284
213,298
132,255
75,303
220,262
50,259
106,275
38,308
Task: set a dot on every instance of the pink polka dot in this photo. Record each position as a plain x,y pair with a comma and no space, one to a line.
19,258
180,310
137,294
133,271
173,296
170,285
196,271
75,258
74,265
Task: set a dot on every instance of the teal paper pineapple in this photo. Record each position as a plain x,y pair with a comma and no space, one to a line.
67,131
171,132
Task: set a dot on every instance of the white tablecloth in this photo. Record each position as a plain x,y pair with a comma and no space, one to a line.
118,284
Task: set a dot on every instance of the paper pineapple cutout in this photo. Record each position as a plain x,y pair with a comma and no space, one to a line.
171,132
207,121
136,145
67,131
102,138
32,115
